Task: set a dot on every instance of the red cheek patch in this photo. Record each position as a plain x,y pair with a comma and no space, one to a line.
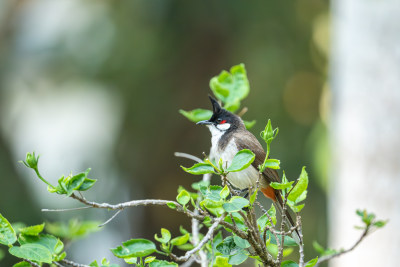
222,122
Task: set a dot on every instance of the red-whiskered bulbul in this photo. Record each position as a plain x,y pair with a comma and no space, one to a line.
228,136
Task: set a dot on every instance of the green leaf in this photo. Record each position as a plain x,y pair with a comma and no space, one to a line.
268,135
199,169
52,243
312,262
380,224
183,197
272,164
33,252
197,185
73,183
149,259
263,221
31,161
289,264
297,208
253,197
300,187
236,203
180,240
240,242
318,247
249,124
60,257
2,254
241,160
224,192
165,236
22,264
280,186
134,248
197,115
231,87
287,251
131,260
7,233
32,230
238,258
160,263
221,262
228,247
239,221
171,205
87,184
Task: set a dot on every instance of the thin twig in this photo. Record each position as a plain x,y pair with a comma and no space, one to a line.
32,263
58,264
243,111
202,242
109,220
301,245
73,264
329,257
70,209
188,156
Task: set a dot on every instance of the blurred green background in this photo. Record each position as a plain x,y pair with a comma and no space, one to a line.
99,84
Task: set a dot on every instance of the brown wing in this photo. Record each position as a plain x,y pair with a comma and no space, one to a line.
246,140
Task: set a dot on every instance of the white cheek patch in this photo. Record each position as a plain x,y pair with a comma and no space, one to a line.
224,126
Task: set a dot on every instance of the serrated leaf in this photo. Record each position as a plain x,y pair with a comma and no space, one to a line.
134,248
300,187
180,240
241,160
197,115
183,197
7,233
165,236
236,203
199,169
33,252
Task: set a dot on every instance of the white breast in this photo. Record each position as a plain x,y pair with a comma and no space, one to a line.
243,179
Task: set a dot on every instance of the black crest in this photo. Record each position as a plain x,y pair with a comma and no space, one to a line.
216,107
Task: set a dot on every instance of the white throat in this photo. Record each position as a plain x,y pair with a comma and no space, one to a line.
216,133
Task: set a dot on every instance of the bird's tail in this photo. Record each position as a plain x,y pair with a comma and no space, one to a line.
278,203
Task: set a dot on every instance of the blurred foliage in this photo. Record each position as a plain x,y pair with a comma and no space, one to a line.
157,57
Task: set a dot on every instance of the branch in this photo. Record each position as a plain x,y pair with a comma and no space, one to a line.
32,263
202,242
188,156
329,257
73,264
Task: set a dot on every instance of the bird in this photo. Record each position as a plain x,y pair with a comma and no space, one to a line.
228,136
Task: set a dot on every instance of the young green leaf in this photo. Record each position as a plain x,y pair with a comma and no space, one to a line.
51,243
224,192
7,233
272,164
183,197
280,186
249,124
32,230
199,169
33,252
231,87
300,187
22,264
289,264
134,248
311,263
165,236
241,160
149,259
180,240
171,205
221,262
253,197
228,247
236,203
197,115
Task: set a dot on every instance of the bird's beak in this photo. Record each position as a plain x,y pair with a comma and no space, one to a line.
206,122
